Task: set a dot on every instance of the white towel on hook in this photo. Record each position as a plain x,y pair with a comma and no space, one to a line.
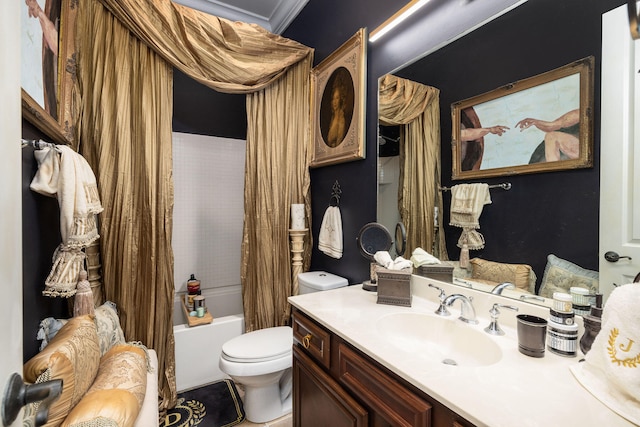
330,238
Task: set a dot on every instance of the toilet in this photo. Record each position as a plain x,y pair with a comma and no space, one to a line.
261,360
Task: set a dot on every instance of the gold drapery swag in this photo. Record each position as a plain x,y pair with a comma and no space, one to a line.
416,109
123,115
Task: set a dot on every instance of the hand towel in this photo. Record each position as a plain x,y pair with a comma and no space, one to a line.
421,257
611,369
467,202
330,238
65,174
383,258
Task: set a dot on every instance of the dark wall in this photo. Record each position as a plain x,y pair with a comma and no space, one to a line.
325,25
40,237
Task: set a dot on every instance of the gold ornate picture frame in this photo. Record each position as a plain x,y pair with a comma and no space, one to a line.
49,67
338,104
540,124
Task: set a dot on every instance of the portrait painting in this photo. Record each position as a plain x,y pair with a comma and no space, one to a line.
47,65
540,124
338,104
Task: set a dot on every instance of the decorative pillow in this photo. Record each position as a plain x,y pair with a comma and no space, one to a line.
108,324
521,275
73,356
116,396
560,275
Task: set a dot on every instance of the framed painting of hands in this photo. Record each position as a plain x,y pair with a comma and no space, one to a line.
338,104
543,123
48,65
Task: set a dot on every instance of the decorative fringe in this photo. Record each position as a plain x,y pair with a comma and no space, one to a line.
62,280
464,256
83,303
83,232
146,353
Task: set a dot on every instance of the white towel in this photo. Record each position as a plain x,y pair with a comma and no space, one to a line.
611,370
330,238
421,257
467,201
65,174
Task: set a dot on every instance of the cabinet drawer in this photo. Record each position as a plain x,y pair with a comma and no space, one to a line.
315,339
381,393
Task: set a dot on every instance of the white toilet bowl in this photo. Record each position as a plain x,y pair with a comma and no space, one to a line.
261,361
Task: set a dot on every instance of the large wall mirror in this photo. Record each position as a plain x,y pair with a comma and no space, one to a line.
548,221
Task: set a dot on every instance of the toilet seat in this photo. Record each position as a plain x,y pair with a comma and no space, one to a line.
263,345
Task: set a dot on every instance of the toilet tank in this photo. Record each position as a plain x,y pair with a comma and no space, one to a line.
316,281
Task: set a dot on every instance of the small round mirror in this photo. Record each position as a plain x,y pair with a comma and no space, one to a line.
401,239
373,237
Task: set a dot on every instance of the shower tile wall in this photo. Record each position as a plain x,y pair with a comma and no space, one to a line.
208,174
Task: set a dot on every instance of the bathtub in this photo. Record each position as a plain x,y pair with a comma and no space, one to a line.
198,348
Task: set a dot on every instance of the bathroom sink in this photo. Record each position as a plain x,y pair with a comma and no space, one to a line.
439,339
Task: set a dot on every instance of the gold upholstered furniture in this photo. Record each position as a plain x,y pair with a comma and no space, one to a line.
106,381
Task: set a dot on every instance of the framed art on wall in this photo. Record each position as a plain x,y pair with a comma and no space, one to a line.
338,104
543,123
48,65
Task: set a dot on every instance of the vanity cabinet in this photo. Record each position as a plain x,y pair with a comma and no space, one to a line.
334,384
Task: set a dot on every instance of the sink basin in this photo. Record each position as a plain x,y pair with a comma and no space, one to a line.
439,339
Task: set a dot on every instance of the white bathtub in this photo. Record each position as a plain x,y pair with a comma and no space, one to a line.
198,348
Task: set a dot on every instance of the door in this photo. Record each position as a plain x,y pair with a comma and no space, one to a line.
620,152
10,196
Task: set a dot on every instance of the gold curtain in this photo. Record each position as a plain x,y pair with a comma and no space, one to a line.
416,108
124,125
276,175
124,129
231,57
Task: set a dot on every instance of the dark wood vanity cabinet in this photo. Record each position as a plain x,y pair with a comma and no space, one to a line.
336,385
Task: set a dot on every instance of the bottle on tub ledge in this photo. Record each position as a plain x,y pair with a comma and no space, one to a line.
193,290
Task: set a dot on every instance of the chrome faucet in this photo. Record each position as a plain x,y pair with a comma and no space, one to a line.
494,328
502,286
442,310
467,312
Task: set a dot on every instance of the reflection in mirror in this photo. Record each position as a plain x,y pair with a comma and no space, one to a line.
414,109
409,177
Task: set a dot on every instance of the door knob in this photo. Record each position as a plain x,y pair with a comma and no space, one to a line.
612,256
17,394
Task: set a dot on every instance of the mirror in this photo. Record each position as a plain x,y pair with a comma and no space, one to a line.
545,212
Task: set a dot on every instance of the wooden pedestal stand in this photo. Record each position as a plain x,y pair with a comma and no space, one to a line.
297,248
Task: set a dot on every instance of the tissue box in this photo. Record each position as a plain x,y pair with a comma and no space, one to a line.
394,287
442,272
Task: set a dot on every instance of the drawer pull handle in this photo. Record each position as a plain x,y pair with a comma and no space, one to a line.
306,341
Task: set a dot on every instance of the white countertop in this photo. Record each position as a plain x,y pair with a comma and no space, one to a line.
516,391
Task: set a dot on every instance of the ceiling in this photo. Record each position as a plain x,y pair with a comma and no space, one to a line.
273,15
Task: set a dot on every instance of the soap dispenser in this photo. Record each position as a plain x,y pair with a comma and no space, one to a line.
592,325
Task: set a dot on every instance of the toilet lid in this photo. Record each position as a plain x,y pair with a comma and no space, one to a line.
259,346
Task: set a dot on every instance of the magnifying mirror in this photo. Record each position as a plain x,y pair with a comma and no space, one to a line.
373,237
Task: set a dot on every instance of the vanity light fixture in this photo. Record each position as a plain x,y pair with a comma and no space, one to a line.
396,19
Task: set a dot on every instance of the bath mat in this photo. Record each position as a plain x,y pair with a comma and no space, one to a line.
214,405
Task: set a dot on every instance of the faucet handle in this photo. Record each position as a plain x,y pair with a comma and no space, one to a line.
442,310
494,328
442,295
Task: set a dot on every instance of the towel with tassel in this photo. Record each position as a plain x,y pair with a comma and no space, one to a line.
330,238
467,202
66,175
611,369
